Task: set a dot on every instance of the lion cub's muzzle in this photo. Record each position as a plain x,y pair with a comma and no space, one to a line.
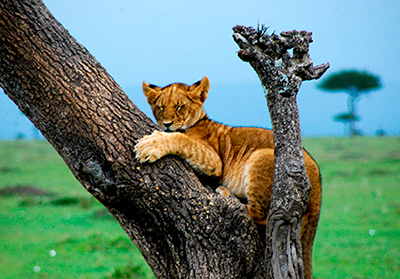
169,127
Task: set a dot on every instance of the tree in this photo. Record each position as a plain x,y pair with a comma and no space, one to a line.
281,76
355,83
182,228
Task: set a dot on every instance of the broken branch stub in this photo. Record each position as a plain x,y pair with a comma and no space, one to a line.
270,58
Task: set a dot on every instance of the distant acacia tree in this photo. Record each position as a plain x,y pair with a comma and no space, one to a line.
355,83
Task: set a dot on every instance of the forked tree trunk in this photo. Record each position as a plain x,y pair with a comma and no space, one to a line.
183,229
281,75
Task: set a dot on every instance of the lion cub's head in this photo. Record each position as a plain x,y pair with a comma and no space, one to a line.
177,106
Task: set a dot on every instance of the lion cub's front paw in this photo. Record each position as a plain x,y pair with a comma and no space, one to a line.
151,148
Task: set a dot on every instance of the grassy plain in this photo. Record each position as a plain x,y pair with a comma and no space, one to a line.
359,229
63,232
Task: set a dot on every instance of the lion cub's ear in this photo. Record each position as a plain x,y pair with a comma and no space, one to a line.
199,90
151,92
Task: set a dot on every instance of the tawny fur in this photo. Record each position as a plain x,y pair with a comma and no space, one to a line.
242,159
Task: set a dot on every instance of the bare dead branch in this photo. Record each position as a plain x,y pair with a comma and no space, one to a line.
281,75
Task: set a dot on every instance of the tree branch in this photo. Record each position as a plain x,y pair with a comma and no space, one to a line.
281,75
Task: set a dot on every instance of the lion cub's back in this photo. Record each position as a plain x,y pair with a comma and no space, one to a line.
245,140
257,138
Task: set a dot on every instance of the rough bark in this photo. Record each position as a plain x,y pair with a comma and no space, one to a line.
182,229
281,75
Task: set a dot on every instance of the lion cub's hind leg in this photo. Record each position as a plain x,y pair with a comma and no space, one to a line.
223,191
259,171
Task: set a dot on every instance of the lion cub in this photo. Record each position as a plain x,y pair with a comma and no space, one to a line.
242,159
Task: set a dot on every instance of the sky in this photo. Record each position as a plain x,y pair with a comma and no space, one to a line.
162,42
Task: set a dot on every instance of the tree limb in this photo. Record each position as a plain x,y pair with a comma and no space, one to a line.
281,75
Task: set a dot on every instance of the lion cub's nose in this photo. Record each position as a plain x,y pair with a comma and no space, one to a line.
168,124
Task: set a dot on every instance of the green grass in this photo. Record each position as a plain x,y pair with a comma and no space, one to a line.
64,235
358,235
359,230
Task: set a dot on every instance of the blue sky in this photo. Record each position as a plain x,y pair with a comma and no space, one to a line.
167,41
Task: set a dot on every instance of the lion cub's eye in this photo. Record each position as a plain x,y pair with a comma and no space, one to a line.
160,107
179,107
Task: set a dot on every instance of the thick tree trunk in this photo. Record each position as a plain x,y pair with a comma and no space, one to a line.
281,75
182,229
